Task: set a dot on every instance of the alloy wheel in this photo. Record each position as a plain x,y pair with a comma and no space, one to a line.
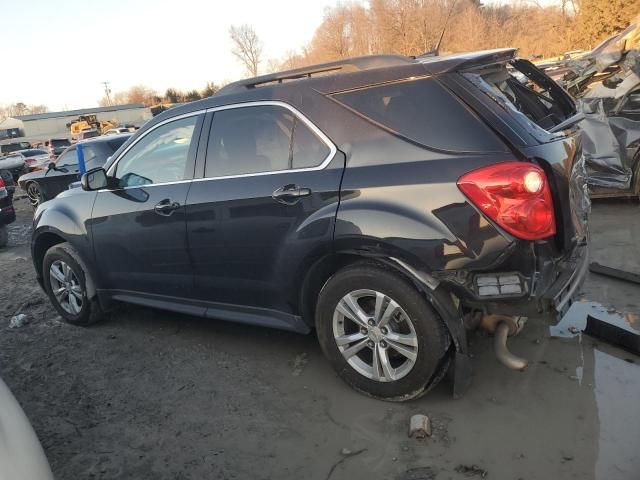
34,194
65,287
375,335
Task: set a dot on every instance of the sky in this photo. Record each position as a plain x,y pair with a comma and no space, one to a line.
58,52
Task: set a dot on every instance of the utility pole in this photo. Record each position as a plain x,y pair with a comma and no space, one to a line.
107,91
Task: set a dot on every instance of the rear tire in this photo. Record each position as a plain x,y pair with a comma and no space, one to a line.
399,345
65,281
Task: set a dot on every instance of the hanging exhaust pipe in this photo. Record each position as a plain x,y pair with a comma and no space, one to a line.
503,326
503,354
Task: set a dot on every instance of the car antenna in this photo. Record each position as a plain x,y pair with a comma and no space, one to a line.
435,51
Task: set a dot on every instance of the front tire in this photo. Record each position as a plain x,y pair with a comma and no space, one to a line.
65,281
380,333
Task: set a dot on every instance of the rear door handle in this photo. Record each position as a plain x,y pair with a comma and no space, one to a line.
166,207
290,194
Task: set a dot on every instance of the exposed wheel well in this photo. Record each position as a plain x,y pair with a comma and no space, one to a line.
316,277
322,270
45,242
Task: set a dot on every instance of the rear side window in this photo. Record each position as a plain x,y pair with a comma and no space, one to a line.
308,150
425,113
261,139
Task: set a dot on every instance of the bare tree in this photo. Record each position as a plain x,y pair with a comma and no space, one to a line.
247,47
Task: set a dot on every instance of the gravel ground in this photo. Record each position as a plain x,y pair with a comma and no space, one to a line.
156,395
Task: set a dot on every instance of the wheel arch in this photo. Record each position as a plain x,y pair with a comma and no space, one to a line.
47,238
439,298
39,246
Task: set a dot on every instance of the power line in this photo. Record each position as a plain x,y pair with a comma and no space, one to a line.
107,91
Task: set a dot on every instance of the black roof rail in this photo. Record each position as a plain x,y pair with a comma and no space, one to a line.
347,65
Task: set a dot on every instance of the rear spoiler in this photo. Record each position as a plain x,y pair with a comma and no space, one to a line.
464,61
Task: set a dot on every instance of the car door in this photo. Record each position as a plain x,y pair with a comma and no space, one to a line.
138,226
66,172
264,207
626,125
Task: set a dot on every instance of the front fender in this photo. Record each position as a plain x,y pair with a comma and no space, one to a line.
63,219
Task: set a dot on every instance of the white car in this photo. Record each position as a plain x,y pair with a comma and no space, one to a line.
35,158
14,164
117,131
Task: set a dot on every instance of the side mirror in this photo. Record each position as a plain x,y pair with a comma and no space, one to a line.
51,166
94,179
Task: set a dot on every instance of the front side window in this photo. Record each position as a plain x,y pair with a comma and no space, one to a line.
159,157
261,139
68,158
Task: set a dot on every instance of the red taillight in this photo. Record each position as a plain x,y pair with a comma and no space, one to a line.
30,160
515,195
1,183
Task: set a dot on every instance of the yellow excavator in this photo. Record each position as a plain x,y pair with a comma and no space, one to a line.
86,123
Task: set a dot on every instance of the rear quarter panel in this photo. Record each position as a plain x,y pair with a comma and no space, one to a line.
413,210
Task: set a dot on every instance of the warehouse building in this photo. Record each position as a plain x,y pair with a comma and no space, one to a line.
42,126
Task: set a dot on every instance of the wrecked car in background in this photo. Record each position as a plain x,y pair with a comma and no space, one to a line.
606,82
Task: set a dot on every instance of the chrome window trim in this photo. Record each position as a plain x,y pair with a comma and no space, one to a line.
332,148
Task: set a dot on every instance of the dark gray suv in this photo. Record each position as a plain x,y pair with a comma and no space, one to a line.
384,201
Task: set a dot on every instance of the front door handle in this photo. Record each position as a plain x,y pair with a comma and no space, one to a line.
166,207
290,194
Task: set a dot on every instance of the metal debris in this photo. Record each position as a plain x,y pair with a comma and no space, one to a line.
471,470
18,321
419,426
614,272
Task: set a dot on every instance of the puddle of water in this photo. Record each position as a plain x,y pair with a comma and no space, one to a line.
596,320
617,388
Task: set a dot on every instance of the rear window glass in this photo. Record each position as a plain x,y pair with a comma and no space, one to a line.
30,153
424,112
518,88
60,143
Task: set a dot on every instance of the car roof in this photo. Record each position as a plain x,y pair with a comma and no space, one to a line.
104,138
331,77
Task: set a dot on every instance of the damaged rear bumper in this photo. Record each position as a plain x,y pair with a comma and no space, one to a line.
560,295
545,295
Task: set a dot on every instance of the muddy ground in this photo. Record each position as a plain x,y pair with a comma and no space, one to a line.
155,395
